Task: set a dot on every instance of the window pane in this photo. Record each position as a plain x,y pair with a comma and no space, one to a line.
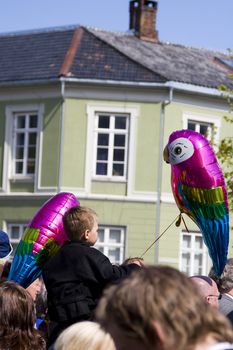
186,262
191,125
198,264
204,129
103,139
19,167
15,232
119,140
104,122
101,168
20,139
100,235
118,169
119,155
102,154
115,236
19,153
186,243
33,121
114,254
32,138
120,123
20,123
30,167
32,152
198,242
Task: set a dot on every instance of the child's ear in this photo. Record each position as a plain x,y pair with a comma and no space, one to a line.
86,234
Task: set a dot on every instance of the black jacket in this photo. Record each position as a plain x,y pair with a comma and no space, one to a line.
75,278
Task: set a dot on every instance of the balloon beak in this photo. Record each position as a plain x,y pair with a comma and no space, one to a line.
166,155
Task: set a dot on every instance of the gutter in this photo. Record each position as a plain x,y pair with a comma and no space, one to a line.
169,84
164,104
61,137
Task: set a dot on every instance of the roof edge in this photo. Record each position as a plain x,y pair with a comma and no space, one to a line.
168,85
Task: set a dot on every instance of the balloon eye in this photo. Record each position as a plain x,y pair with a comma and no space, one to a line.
177,150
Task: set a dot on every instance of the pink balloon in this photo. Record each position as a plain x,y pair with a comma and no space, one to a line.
199,190
203,168
43,237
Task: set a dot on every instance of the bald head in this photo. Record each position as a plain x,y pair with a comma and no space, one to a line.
208,289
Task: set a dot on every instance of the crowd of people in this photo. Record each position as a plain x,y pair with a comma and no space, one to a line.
84,302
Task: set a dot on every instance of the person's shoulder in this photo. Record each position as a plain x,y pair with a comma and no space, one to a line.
226,301
95,252
221,346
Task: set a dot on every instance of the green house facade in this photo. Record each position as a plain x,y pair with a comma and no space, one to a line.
89,112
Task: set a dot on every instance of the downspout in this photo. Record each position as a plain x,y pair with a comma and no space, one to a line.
160,173
61,136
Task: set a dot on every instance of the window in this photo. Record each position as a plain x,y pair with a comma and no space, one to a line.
203,128
193,254
111,145
15,232
207,125
111,243
24,143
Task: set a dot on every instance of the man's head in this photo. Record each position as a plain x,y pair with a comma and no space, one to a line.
81,224
225,281
156,306
208,289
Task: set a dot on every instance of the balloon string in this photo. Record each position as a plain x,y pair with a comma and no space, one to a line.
160,235
186,228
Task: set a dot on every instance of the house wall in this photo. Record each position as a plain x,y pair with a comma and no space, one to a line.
50,145
135,210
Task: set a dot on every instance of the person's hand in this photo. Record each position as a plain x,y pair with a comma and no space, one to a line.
136,260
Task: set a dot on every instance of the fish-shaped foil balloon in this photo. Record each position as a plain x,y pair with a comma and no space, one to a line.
199,190
42,238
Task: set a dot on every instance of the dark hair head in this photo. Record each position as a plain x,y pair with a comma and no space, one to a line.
17,318
166,296
77,220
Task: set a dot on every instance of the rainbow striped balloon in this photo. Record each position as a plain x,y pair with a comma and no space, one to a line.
42,238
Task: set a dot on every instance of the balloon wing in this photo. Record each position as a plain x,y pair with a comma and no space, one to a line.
42,238
199,190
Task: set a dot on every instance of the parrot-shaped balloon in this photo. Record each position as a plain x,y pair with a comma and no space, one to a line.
42,238
199,190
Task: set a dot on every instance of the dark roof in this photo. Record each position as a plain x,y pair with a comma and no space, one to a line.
87,53
174,62
30,56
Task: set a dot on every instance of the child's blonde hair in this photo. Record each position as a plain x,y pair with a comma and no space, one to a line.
77,220
84,335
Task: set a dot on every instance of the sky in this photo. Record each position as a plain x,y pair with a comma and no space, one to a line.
198,23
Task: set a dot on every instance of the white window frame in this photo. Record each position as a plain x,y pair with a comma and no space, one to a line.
192,251
111,131
26,131
11,112
133,113
206,119
106,245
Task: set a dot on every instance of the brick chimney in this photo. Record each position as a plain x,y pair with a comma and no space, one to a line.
143,19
